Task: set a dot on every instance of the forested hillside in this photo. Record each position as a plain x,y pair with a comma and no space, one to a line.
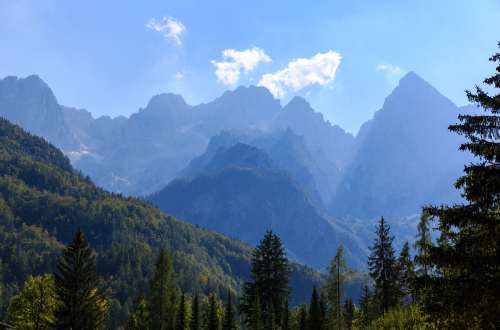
43,201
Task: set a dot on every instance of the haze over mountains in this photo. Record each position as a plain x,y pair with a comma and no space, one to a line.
243,163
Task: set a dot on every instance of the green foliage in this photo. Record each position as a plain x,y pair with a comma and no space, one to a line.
410,318
163,294
269,282
140,318
81,306
43,201
348,313
335,288
34,306
383,268
316,320
460,284
195,323
406,276
229,317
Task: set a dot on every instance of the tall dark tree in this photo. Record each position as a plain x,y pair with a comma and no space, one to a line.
335,288
195,323
323,307
182,322
406,269
229,321
82,306
139,318
383,268
285,324
163,294
315,319
365,306
464,279
269,281
213,317
348,311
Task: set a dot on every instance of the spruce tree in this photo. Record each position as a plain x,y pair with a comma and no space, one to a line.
182,322
285,325
269,281
195,323
229,322
463,284
406,275
383,268
365,307
335,288
213,317
139,318
81,304
323,307
163,293
315,319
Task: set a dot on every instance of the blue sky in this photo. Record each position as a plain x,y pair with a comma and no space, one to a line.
110,57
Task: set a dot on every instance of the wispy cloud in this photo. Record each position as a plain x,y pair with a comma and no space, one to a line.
234,63
169,27
302,72
390,71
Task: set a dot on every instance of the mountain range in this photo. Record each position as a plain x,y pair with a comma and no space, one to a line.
243,163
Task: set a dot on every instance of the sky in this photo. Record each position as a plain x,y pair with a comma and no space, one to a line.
110,57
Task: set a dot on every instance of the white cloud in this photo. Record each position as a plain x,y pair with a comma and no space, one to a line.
302,72
390,71
179,75
235,62
169,27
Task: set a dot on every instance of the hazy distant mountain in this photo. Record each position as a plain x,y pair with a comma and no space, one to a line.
241,193
30,103
405,157
330,146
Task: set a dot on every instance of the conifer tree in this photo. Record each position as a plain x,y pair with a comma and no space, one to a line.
213,317
81,305
348,313
269,281
195,323
463,283
365,306
383,268
285,325
323,307
229,322
182,322
315,319
163,294
335,288
406,275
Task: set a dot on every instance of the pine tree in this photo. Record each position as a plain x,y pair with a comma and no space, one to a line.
315,319
269,281
81,305
182,322
406,275
163,294
383,268
195,323
365,306
255,315
348,313
463,282
323,307
213,317
335,288
229,322
285,324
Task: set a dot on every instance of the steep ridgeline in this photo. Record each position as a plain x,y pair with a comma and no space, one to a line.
330,146
43,201
405,156
238,190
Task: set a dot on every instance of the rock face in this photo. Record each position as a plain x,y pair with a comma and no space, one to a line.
243,163
241,193
405,156
30,103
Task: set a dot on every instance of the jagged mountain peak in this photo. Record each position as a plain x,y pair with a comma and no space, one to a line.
166,101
